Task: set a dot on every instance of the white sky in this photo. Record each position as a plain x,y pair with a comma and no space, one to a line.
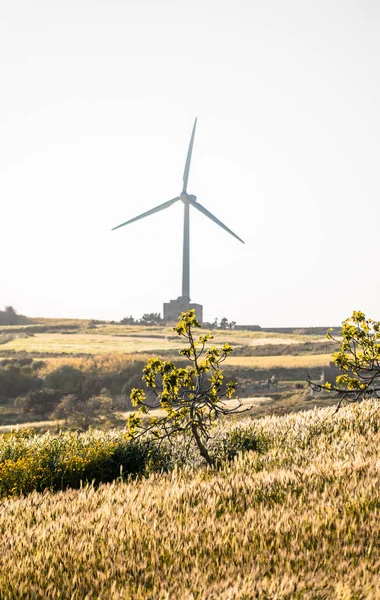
97,102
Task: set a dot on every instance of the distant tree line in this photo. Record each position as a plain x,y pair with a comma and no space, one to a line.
156,319
146,319
80,398
224,323
9,316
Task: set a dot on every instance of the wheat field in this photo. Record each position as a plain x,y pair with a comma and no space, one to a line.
103,345
285,361
299,520
109,338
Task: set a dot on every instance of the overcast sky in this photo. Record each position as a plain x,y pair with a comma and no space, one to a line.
97,103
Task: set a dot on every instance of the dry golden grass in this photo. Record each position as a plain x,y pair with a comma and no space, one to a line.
60,322
103,345
64,323
46,425
90,343
106,339
286,361
114,361
300,521
98,363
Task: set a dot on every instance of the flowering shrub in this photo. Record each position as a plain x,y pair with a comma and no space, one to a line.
67,459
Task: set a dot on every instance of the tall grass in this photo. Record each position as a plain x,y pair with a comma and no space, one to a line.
30,461
112,362
297,517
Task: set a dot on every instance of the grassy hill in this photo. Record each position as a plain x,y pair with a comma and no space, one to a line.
74,336
111,356
297,518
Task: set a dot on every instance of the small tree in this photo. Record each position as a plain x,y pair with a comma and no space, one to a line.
192,397
128,321
223,323
83,412
67,379
358,357
9,316
38,402
151,319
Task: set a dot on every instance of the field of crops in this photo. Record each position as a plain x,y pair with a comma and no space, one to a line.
296,519
113,339
74,336
285,361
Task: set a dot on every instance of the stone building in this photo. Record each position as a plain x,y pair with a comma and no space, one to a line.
174,308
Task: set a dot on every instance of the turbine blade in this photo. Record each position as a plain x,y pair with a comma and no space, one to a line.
148,212
188,159
204,210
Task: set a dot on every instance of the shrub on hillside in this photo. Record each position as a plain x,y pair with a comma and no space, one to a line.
37,365
122,380
36,462
19,378
17,362
39,402
128,321
151,319
10,317
14,381
82,412
66,379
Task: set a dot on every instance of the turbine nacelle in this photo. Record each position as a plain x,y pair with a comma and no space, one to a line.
187,198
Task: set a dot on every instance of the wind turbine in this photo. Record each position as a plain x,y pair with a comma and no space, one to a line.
183,302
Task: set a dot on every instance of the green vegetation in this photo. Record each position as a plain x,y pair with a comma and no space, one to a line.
358,358
111,356
10,317
291,512
294,516
29,461
192,397
39,389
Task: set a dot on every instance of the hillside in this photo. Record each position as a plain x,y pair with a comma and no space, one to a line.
108,358
74,336
296,518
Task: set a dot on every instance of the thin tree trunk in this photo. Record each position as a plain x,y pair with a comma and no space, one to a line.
201,446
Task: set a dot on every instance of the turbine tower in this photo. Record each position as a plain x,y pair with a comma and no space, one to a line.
173,308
